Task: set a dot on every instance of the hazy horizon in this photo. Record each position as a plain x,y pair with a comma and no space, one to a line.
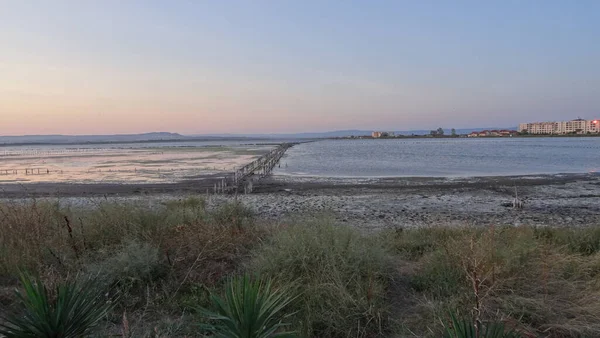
367,131
262,67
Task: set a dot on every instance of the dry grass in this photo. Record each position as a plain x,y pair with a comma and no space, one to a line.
164,259
342,276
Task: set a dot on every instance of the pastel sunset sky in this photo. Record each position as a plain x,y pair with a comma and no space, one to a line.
194,67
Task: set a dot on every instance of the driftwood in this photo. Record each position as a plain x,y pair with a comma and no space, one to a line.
517,203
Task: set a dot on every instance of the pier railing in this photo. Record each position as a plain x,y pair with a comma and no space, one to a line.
26,171
244,177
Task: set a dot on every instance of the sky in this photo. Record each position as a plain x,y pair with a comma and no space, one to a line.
281,66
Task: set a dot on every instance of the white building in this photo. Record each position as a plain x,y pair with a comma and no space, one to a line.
578,126
379,134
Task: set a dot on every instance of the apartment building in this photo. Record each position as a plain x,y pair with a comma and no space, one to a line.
578,126
379,134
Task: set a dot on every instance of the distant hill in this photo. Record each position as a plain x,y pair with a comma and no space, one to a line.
308,135
166,136
28,139
347,133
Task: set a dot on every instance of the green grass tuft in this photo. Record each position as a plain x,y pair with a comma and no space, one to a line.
250,308
466,328
74,311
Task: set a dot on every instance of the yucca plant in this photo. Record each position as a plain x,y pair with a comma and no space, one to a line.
73,311
466,328
250,308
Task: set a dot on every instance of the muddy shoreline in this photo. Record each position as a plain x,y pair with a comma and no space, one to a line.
560,200
197,184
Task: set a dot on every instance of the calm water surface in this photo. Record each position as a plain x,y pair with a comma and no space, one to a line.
442,157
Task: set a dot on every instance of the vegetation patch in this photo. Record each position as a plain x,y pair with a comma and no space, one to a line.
184,268
341,275
538,281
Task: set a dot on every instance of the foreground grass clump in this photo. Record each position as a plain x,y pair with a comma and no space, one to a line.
341,275
541,281
74,310
466,328
250,309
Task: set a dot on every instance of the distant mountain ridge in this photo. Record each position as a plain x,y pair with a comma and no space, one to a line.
167,136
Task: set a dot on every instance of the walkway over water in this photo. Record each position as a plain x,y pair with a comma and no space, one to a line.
246,176
168,178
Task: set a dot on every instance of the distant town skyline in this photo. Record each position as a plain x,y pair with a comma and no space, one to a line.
254,67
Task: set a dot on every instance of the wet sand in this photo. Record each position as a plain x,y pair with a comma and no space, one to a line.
560,200
122,165
198,184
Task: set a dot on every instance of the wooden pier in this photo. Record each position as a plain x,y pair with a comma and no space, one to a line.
244,178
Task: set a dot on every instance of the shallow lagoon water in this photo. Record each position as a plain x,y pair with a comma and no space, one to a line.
463,157
123,163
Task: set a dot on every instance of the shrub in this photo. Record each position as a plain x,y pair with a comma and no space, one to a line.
342,276
585,240
250,309
134,263
232,213
205,253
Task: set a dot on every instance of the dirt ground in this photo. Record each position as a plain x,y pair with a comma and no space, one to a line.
561,200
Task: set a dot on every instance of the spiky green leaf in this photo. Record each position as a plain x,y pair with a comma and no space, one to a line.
250,308
75,310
